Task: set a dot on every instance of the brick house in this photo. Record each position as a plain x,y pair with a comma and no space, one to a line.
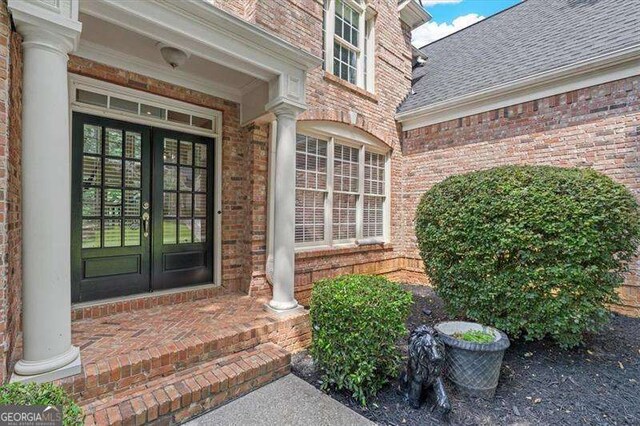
176,175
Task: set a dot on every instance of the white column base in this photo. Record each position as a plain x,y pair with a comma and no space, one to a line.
65,365
289,310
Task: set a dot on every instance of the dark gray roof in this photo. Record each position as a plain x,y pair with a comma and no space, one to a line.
531,37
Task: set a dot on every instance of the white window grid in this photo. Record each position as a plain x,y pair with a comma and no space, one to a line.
311,189
348,49
347,22
351,199
374,195
346,173
345,63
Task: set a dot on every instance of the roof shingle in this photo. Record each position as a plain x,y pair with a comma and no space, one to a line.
529,38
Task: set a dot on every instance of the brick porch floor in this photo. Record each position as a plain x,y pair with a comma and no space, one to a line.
197,353
230,313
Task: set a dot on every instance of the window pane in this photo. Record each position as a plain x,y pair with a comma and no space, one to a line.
200,205
112,172
185,205
185,231
178,117
186,153
346,22
91,233
92,139
112,233
91,170
170,204
309,216
91,98
170,152
151,111
132,232
132,174
133,145
112,202
344,216
200,155
186,178
123,105
345,168
169,235
199,230
113,142
200,182
311,163
91,199
204,123
374,174
131,203
170,177
373,217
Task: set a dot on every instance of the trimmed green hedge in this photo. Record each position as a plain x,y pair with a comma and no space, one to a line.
536,250
43,394
357,321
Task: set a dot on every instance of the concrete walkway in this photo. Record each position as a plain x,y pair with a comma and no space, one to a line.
287,401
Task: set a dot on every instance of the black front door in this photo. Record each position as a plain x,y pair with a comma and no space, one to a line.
141,209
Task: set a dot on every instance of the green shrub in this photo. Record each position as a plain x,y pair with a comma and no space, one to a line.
42,394
357,321
533,250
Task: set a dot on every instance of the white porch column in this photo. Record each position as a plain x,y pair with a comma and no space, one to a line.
46,195
284,209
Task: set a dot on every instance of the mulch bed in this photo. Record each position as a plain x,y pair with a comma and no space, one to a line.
539,383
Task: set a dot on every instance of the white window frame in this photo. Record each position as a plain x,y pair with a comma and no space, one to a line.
363,145
365,41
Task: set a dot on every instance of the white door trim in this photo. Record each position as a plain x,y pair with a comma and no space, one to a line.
109,89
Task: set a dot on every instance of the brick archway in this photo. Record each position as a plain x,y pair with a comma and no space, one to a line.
350,118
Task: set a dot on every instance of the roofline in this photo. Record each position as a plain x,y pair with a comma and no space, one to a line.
600,69
413,14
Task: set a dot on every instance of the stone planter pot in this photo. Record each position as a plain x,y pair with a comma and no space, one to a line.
474,368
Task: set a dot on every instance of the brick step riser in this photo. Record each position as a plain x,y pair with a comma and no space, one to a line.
174,399
120,373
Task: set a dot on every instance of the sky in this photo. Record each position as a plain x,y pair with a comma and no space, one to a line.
450,16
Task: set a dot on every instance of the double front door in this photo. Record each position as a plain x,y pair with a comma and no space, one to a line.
142,208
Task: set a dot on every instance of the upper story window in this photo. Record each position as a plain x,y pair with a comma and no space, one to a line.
341,191
348,41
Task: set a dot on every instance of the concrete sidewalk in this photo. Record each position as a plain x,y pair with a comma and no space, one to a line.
287,401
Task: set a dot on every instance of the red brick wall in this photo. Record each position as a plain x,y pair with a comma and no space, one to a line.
329,98
10,155
596,127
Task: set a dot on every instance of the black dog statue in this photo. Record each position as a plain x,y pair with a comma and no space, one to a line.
424,368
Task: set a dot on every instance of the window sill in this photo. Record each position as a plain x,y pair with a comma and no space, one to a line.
350,87
313,252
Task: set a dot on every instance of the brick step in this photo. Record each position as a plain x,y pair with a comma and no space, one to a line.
120,372
187,393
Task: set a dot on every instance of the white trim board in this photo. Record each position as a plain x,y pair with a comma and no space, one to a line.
79,82
98,86
606,68
114,58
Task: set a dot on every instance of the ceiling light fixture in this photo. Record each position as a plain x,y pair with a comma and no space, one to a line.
172,55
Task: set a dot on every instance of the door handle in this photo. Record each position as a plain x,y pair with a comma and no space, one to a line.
145,224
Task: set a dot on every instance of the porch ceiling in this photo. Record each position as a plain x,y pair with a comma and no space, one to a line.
105,41
227,53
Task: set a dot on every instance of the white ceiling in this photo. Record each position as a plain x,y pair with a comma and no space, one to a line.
98,33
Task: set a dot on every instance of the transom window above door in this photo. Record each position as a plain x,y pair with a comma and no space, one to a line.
349,44
341,192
